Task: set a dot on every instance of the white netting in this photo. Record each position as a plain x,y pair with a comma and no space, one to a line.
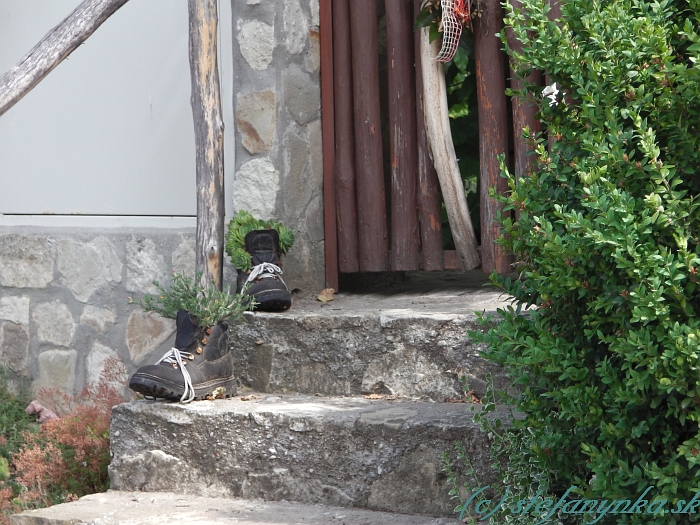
451,30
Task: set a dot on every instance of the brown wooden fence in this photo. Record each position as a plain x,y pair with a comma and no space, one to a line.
383,214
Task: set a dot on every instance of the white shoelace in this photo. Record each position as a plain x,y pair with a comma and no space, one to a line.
174,356
264,271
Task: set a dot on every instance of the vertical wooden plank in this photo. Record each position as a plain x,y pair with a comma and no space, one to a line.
429,197
209,140
405,247
493,130
327,127
554,9
346,203
523,110
371,211
554,13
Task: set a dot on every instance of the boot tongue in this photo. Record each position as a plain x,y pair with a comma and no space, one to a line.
186,330
263,245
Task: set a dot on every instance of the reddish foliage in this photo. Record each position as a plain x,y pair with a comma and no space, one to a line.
69,457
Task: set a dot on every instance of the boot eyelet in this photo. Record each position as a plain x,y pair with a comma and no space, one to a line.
190,357
174,365
205,341
199,350
208,331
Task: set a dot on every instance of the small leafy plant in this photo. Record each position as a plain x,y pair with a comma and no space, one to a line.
208,305
244,223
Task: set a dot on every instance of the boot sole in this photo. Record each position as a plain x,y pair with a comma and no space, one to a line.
153,387
273,301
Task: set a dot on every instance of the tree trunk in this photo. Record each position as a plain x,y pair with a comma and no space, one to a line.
58,43
209,140
437,123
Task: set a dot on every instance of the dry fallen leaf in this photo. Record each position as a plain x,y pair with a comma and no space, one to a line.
380,396
473,397
326,295
219,393
249,398
260,342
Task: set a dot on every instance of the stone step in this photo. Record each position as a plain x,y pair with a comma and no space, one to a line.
137,508
343,451
410,344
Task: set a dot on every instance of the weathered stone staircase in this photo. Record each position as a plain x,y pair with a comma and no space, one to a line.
341,403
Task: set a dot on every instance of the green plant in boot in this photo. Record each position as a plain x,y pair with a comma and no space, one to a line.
244,223
200,364
208,305
256,248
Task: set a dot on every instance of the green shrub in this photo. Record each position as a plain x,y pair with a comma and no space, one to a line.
607,245
14,421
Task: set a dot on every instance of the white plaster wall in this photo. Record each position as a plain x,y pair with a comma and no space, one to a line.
109,131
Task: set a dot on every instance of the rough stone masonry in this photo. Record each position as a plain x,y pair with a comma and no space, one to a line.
63,300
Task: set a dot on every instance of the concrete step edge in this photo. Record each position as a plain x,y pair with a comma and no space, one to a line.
139,508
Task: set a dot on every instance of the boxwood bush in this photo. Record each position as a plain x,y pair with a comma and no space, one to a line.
604,334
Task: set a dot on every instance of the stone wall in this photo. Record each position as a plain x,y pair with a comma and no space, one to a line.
63,299
276,55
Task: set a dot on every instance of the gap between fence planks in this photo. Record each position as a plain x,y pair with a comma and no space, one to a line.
437,123
209,140
51,50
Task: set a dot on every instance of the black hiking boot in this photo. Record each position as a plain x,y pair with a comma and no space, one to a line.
263,281
199,364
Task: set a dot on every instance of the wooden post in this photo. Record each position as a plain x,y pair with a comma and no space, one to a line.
58,43
493,131
405,247
553,14
209,140
345,199
371,207
429,196
437,124
523,110
327,122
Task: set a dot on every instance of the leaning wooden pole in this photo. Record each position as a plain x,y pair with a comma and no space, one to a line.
209,140
56,45
437,124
